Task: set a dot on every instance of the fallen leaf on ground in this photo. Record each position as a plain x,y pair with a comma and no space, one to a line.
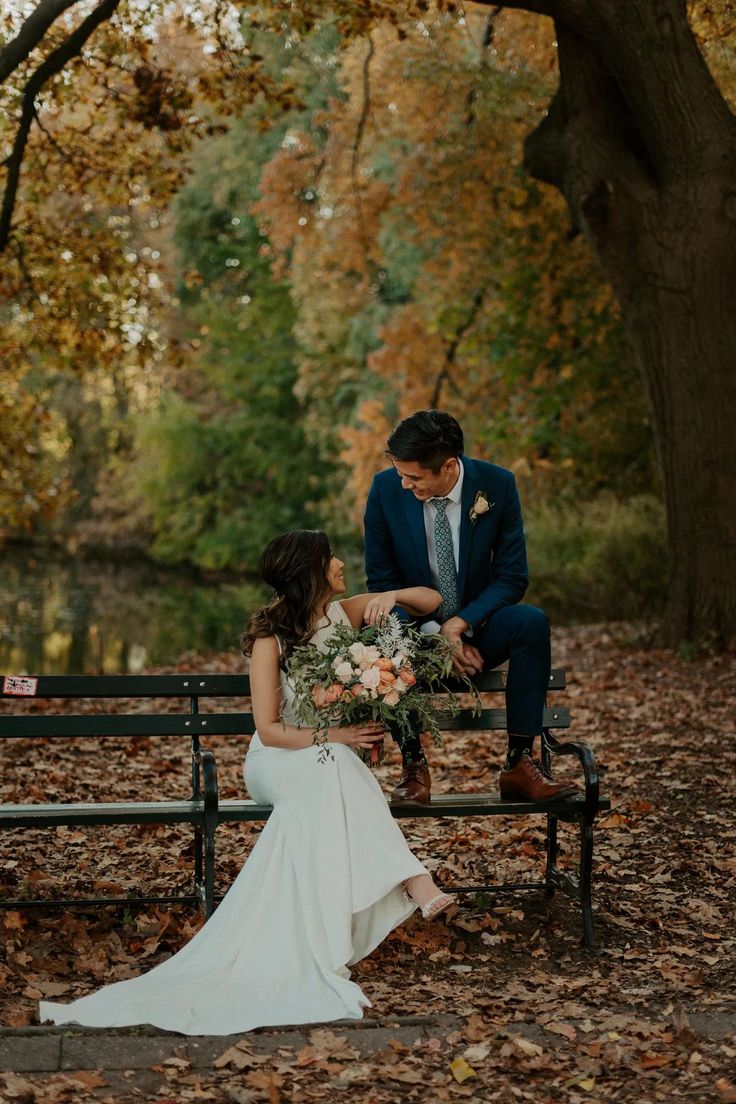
460,1070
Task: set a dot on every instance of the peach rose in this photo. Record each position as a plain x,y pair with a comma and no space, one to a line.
392,697
384,665
407,675
319,696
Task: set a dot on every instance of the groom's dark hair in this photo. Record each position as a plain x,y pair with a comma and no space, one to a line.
428,437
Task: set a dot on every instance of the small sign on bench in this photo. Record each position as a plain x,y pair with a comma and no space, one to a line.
20,686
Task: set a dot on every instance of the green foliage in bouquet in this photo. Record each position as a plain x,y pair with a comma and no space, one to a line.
390,674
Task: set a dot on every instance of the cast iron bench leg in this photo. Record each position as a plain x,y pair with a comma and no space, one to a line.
211,807
209,871
198,860
552,852
586,886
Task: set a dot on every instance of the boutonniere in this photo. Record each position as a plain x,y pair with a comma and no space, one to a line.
480,506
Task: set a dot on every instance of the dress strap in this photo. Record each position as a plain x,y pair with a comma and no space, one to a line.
282,661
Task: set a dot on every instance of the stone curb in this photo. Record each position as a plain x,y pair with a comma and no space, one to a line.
54,1049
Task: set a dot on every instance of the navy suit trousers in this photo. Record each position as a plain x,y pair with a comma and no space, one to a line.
519,634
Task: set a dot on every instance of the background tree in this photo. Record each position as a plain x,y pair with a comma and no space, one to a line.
642,144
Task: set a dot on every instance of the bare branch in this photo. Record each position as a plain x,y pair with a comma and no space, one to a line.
52,65
490,27
30,34
485,46
444,374
358,141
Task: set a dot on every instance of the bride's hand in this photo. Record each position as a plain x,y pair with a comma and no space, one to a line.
379,607
358,735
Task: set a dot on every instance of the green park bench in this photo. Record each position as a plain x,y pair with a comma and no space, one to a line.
204,809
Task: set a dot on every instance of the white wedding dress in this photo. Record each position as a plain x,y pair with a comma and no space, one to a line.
320,890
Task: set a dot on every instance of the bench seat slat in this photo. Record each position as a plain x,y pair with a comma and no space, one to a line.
192,812
110,812
460,804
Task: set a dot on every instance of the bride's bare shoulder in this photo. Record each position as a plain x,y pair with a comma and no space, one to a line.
265,648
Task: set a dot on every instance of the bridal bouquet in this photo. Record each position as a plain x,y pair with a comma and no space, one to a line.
388,674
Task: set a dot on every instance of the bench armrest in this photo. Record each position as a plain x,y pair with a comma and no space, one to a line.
584,753
206,761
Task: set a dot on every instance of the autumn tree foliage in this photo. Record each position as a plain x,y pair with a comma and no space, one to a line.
100,104
409,231
429,271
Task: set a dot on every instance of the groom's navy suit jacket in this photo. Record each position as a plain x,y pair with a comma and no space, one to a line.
492,570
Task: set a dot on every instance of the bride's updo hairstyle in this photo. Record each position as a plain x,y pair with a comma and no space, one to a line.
295,565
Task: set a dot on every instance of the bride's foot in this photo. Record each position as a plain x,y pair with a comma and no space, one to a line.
438,904
425,893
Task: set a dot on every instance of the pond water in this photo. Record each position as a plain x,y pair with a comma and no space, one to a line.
63,615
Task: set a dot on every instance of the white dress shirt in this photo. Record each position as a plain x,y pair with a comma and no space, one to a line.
454,515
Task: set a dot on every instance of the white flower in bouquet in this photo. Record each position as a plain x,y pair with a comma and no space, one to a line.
345,672
371,678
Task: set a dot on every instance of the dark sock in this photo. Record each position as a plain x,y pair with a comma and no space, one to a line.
411,751
517,746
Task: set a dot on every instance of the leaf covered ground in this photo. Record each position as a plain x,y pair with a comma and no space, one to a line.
650,1019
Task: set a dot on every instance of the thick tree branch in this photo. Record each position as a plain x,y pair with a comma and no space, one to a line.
650,54
588,128
30,34
52,65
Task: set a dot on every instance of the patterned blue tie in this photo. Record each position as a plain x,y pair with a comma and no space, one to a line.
445,560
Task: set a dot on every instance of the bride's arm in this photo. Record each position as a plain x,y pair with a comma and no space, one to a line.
374,607
265,690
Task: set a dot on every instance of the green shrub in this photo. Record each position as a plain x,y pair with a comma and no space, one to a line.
605,559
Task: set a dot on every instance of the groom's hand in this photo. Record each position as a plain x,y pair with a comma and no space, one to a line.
465,657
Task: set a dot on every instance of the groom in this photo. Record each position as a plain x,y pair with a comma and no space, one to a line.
437,518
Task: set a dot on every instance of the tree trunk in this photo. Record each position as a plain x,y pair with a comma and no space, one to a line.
643,146
685,341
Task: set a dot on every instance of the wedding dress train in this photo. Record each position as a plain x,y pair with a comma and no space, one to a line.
320,890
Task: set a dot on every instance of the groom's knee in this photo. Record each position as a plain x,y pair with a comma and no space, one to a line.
523,622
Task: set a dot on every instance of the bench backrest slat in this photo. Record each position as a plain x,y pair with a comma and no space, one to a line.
214,724
137,686
185,686
127,724
495,719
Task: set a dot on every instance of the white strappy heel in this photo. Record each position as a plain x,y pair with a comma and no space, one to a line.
436,905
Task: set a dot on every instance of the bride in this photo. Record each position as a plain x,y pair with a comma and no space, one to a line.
330,874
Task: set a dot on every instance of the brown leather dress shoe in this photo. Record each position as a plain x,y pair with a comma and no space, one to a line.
528,782
414,787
